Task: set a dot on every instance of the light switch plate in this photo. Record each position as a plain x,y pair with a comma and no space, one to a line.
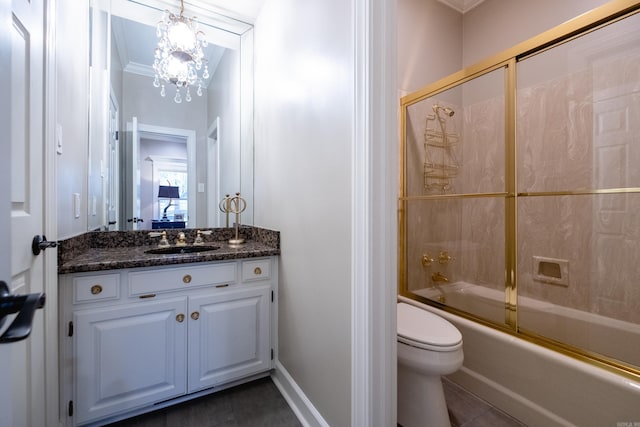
76,205
58,138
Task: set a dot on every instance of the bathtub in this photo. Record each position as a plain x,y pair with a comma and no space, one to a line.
614,338
536,385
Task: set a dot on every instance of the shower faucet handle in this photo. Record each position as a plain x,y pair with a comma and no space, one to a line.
444,257
439,277
426,260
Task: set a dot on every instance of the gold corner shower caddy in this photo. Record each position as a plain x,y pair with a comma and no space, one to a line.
444,178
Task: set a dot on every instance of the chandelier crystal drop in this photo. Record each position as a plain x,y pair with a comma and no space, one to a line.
179,56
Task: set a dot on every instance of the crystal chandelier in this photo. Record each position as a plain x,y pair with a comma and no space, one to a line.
179,57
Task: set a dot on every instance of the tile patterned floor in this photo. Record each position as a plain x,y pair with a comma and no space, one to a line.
259,404
467,410
256,404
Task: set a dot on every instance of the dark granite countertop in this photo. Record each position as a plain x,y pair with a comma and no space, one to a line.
98,251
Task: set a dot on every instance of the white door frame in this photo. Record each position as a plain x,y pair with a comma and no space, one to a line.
50,204
190,136
374,243
164,163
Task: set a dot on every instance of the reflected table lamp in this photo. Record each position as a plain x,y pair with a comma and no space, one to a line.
167,192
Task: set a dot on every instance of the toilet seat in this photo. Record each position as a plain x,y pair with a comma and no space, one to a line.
423,329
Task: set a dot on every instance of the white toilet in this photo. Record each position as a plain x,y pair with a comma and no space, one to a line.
428,347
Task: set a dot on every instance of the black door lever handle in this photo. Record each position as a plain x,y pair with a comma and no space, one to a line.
25,306
40,243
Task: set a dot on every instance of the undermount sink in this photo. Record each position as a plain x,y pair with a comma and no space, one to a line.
181,249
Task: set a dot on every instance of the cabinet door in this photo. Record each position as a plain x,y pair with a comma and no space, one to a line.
229,336
129,356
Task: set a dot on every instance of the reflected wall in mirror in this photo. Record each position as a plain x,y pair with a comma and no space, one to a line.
139,140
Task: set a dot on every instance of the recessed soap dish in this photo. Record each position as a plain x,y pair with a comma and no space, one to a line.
551,270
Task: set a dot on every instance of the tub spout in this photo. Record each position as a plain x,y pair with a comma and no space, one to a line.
439,277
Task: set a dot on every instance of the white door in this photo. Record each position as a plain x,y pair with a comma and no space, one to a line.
132,163
112,191
6,396
25,88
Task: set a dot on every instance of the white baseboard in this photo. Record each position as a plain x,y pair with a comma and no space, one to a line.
300,404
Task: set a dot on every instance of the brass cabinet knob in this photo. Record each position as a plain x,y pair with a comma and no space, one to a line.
257,271
180,318
96,289
186,278
195,315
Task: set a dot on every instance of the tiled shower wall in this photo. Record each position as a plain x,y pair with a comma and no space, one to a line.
577,131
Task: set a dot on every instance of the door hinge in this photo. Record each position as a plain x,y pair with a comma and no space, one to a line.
116,136
71,408
271,296
271,354
70,333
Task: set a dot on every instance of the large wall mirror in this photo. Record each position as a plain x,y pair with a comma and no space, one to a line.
141,142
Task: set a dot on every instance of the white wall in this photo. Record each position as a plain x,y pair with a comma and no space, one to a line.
497,25
303,132
224,102
71,113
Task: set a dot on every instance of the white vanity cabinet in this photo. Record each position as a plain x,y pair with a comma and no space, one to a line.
128,356
240,319
134,340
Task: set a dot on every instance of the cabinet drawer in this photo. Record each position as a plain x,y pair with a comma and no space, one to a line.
96,288
256,270
171,279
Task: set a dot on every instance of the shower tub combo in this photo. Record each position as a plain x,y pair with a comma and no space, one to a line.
518,219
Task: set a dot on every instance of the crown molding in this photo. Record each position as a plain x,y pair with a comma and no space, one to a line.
462,6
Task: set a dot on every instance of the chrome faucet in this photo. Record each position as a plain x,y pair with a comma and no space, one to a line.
439,277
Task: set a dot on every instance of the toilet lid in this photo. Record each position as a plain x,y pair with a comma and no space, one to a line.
416,326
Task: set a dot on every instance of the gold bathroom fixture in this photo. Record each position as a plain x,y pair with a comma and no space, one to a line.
199,240
426,260
164,243
225,207
439,277
440,163
444,257
237,205
181,240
